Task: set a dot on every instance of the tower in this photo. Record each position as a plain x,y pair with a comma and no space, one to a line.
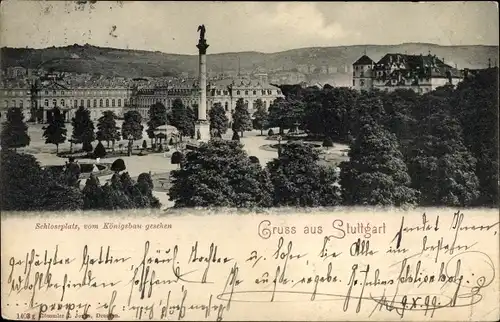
202,126
362,73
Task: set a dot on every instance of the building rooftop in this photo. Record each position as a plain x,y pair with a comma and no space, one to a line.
364,60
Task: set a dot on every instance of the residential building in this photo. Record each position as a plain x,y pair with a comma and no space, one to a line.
420,73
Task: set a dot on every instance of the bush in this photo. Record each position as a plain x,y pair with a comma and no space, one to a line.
327,143
144,144
118,165
100,150
254,159
153,146
177,157
87,147
270,132
235,137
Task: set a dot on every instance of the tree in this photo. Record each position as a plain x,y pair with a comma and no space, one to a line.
115,196
99,151
218,119
440,165
327,111
55,132
177,158
285,113
27,187
107,129
183,119
144,144
21,180
270,132
93,194
118,165
235,137
14,130
83,128
299,180
260,116
132,125
375,173
219,174
144,188
60,197
87,147
475,103
241,117
327,142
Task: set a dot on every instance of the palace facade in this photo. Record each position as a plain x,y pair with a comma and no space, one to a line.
48,94
420,73
122,96
224,91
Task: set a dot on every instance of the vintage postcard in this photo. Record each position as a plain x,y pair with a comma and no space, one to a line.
260,161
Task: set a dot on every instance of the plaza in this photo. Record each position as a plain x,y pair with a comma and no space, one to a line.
159,164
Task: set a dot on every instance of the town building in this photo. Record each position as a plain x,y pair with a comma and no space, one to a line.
46,94
223,91
420,73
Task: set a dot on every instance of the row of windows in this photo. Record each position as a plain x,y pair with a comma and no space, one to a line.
102,103
238,92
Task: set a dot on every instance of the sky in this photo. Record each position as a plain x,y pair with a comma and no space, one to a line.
244,26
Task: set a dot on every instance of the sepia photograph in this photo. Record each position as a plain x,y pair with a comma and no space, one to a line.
258,161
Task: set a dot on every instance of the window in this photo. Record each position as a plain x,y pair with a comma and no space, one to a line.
226,106
107,102
113,102
353,82
54,92
353,73
54,102
219,92
254,92
75,103
269,92
237,92
362,82
46,103
6,103
62,92
125,101
46,92
246,92
21,104
225,92
95,102
88,103
82,103
120,102
362,74
100,102
62,103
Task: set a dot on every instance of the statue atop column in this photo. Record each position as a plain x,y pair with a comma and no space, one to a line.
202,30
202,42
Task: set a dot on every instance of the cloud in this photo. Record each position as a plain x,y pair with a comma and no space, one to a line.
304,19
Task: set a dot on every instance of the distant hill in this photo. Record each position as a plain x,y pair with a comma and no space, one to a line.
335,61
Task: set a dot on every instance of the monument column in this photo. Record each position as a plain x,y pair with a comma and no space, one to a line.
202,124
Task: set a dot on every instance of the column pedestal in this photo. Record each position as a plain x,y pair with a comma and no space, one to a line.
204,129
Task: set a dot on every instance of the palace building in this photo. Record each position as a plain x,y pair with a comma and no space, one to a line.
420,73
49,93
120,96
223,91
